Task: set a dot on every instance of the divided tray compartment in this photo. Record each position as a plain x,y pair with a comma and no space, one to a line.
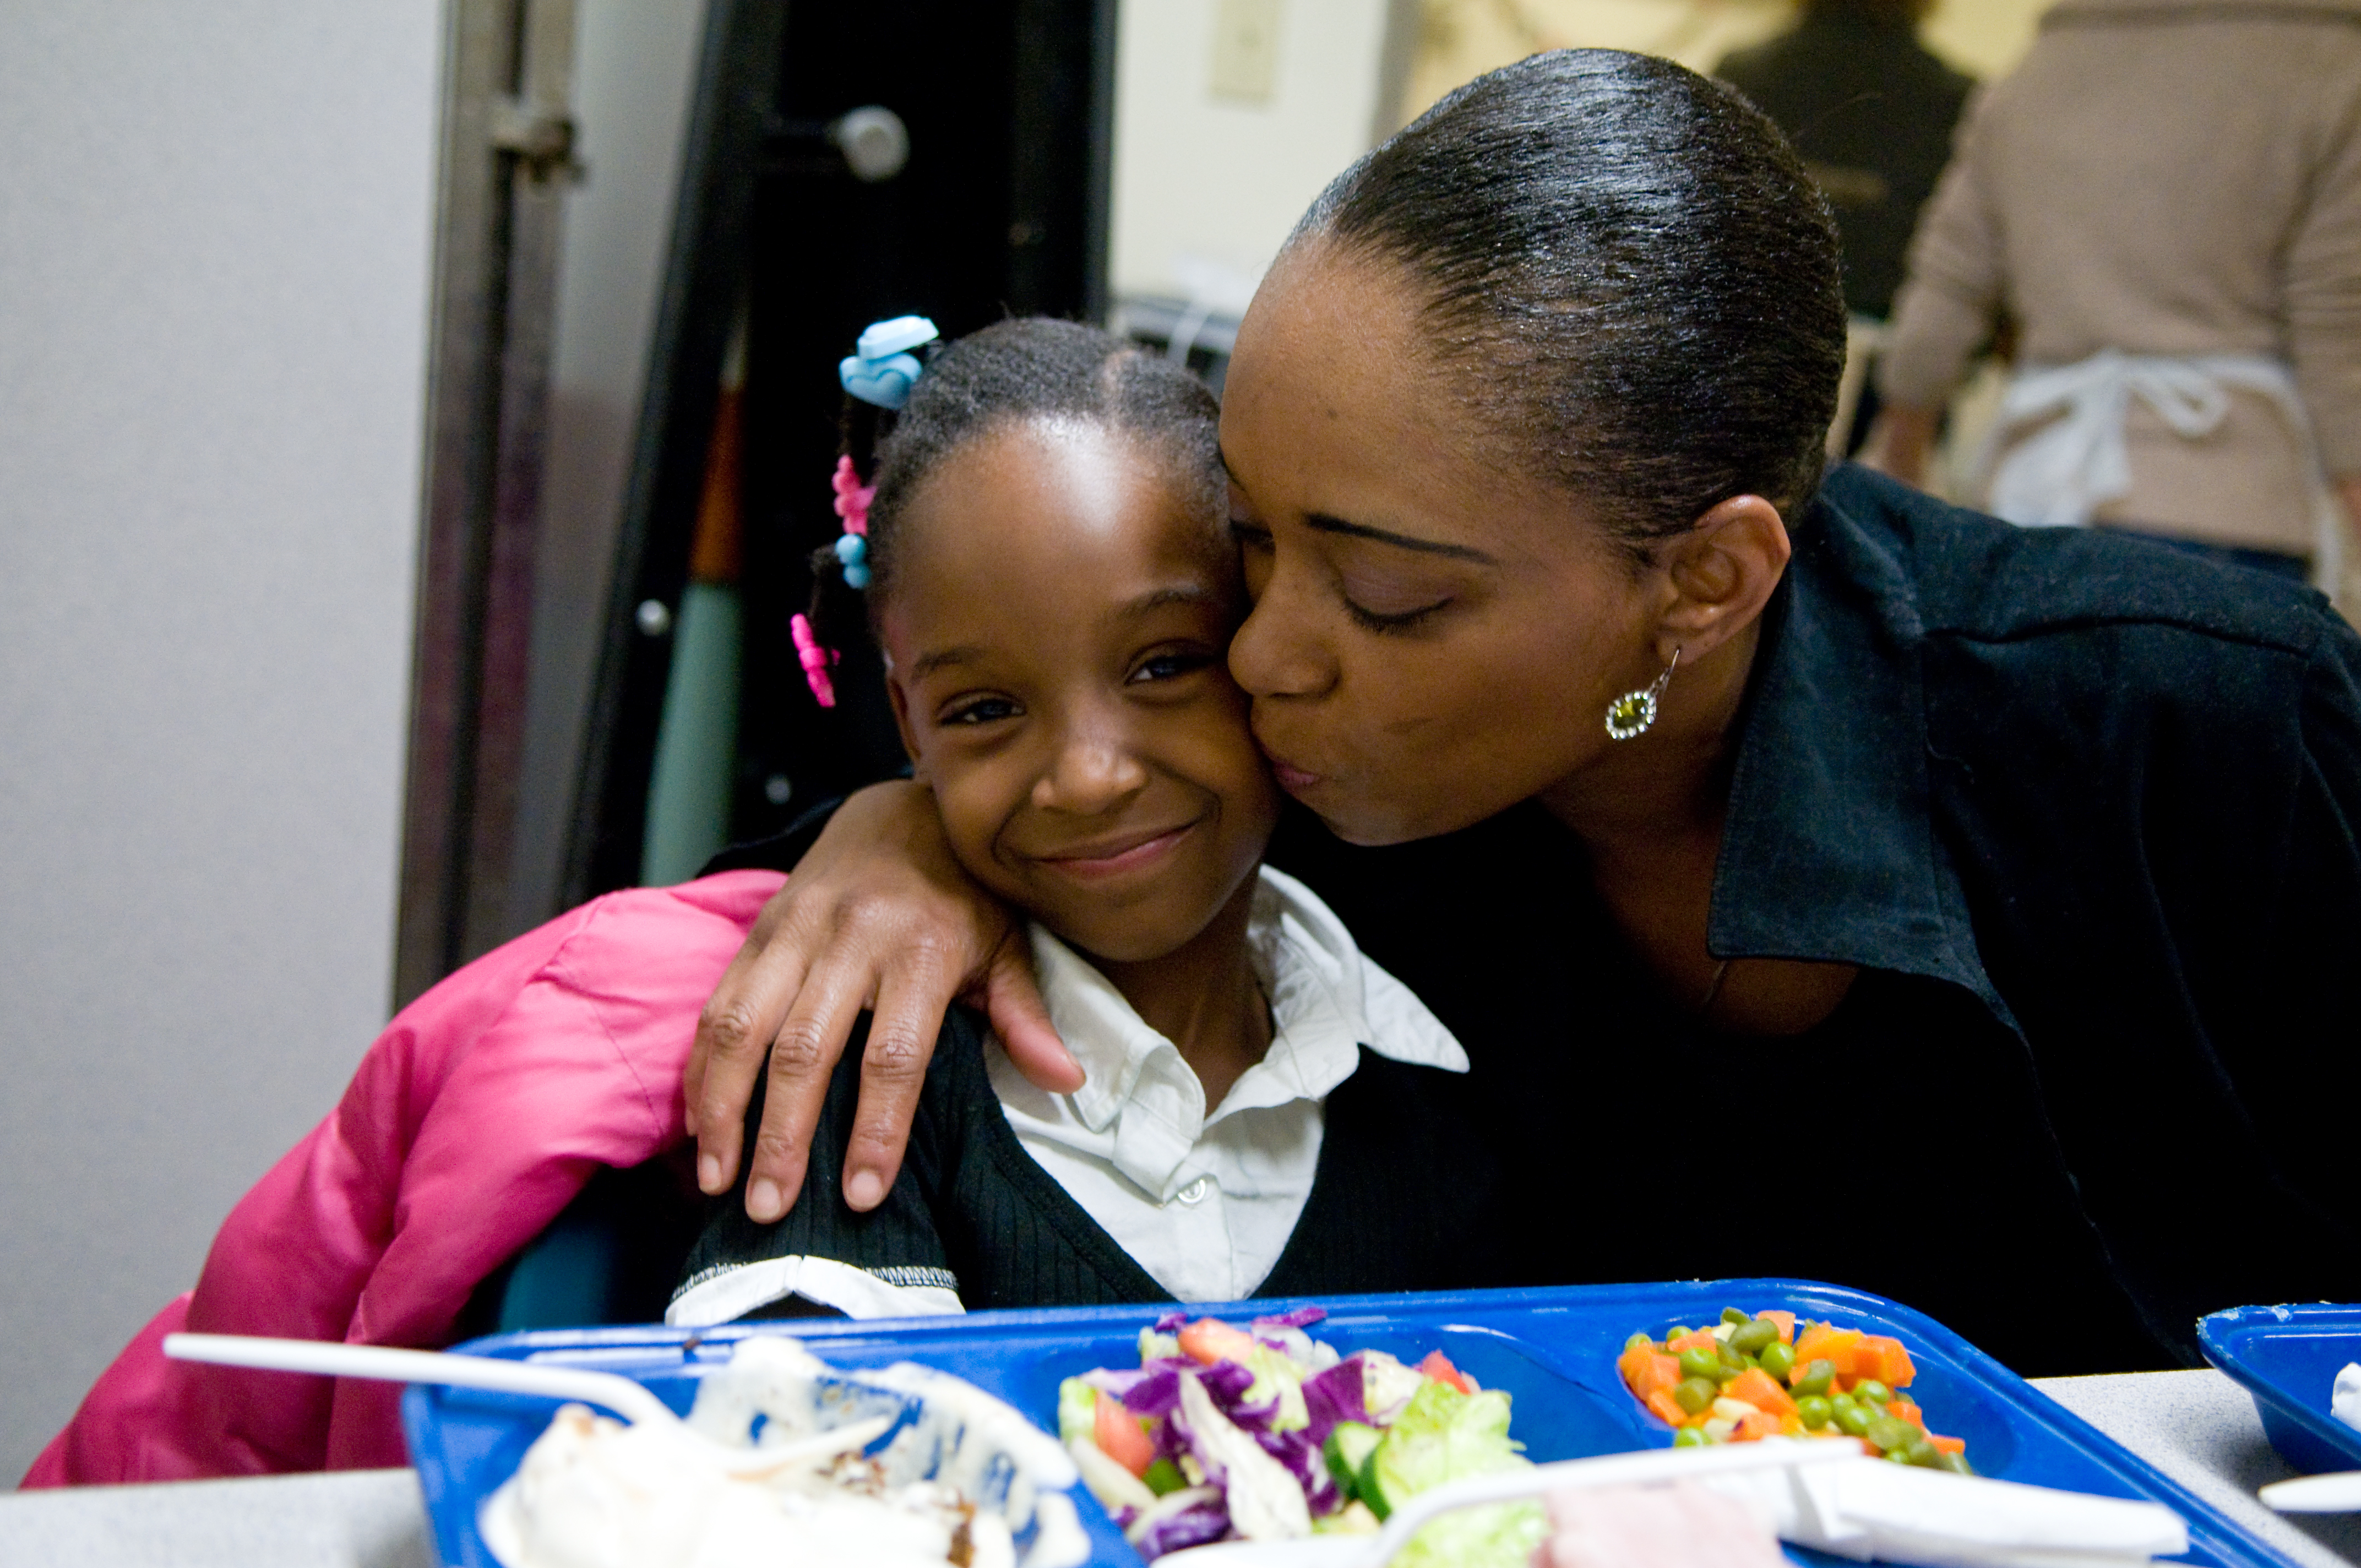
1552,1351
2287,1358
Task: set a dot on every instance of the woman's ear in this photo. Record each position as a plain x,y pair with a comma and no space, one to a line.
1720,574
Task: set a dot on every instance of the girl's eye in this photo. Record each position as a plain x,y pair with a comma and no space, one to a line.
1384,622
980,710
1167,666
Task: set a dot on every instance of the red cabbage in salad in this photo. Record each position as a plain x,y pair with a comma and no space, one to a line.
1266,1433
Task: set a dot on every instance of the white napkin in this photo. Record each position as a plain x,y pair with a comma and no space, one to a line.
2345,1403
1874,1509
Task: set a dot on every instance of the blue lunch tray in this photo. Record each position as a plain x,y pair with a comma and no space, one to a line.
1552,1351
2288,1358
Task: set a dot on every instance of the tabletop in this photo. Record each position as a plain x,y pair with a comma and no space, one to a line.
2198,1427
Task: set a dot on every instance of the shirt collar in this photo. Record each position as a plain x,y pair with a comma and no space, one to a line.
1829,851
1326,1002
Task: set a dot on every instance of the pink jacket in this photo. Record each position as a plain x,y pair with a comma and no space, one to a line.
474,1119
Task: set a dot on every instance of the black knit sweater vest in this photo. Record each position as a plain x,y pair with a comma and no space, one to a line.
973,1211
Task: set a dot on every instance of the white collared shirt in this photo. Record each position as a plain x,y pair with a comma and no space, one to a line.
1206,1203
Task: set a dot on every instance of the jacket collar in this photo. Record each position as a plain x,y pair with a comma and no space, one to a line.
1829,851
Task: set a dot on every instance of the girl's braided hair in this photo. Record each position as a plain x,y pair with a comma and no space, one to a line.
1031,369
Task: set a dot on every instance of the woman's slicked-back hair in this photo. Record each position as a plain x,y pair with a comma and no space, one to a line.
1627,270
1032,368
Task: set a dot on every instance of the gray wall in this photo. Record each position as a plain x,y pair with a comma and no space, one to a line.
214,237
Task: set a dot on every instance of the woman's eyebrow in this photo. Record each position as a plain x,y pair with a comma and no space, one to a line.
1326,524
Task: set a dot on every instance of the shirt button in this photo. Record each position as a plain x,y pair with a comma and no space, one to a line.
1194,1194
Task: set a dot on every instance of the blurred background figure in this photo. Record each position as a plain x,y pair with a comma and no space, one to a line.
2162,208
1873,111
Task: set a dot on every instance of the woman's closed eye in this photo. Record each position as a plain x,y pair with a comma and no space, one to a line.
1379,605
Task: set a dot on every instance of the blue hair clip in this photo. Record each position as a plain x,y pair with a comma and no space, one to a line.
852,554
882,368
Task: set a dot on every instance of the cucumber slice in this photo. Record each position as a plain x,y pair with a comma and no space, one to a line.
1348,1450
1401,1466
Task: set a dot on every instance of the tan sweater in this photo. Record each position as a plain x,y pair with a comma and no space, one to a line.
2169,177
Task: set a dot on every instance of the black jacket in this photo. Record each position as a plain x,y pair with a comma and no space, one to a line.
2086,808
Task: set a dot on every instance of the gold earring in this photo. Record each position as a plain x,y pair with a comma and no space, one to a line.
1631,713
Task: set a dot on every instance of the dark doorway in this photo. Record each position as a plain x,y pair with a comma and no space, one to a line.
999,209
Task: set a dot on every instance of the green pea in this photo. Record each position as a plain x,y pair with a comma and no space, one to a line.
1749,1339
1815,1378
1695,1394
1735,1315
1733,1359
1816,1411
1698,1361
1890,1433
1639,1342
1777,1360
1690,1437
1897,1456
1853,1421
1873,1392
1925,1455
1676,1332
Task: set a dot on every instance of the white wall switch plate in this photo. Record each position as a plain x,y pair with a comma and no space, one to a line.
1246,49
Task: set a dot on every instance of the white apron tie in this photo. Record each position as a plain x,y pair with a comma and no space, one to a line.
2061,475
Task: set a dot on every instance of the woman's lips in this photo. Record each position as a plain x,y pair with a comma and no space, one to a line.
1292,779
1112,857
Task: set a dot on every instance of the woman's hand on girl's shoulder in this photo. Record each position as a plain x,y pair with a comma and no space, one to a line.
877,916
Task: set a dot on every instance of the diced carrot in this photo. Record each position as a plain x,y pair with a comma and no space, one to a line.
1209,1340
1787,1321
1755,1426
1667,1408
1438,1366
1762,1390
1881,1356
1120,1436
1949,1444
1645,1370
1825,1342
1906,1410
1695,1339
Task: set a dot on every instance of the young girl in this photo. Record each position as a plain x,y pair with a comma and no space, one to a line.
1265,1111
1048,575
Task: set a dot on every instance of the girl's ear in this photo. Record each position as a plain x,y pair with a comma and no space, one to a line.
901,700
1720,574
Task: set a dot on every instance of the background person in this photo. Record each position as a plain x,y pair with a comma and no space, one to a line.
2165,199
1838,885
1871,110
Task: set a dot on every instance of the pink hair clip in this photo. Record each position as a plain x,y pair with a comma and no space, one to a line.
852,496
815,659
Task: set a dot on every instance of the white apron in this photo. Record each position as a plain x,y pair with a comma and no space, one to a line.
2064,472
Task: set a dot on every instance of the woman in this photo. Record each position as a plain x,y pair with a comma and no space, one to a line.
1822,881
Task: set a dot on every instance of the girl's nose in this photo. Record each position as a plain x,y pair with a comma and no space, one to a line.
1090,774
